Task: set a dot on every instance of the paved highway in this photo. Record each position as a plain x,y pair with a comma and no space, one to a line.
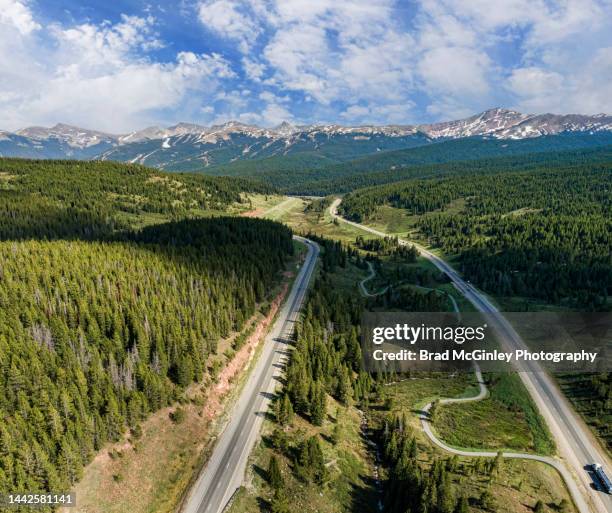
225,469
575,443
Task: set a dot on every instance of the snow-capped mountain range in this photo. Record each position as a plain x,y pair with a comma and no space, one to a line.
191,146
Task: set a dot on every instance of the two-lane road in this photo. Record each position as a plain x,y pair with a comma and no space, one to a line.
225,469
574,441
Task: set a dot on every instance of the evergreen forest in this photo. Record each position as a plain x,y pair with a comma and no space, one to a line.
543,234
106,317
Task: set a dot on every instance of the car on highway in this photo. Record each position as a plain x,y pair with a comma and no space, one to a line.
602,478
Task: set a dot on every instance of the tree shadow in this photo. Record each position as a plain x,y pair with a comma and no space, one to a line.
364,498
267,441
263,504
281,380
327,438
378,407
261,472
267,415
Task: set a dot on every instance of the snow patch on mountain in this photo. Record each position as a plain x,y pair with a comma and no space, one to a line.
498,123
222,143
73,136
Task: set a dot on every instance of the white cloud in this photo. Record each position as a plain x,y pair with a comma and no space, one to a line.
274,114
327,50
99,76
122,98
589,91
456,70
556,44
389,113
272,109
254,70
356,112
18,15
301,60
366,62
534,81
98,47
227,18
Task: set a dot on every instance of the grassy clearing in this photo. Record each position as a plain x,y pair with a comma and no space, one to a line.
412,394
394,221
348,463
284,208
516,487
348,280
463,304
525,304
398,221
296,216
141,220
485,424
251,202
261,202
507,420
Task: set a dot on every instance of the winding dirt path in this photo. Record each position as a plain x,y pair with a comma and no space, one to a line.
482,394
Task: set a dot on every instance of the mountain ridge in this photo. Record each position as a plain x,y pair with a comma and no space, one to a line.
498,122
190,146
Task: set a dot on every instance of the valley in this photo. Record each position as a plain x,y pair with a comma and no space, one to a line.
287,256
342,439
329,225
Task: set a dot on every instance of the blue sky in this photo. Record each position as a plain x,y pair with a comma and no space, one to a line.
122,65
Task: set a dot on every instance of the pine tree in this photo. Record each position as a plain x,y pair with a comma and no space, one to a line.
446,500
498,462
318,404
433,410
279,502
462,505
487,501
345,389
284,410
317,462
337,433
275,477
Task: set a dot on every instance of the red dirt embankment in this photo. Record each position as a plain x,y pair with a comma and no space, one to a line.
241,359
253,213
151,473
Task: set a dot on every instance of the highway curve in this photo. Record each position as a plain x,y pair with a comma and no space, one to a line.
576,446
224,472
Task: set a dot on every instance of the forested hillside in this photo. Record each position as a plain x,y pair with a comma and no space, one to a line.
545,233
102,323
296,174
524,162
54,198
